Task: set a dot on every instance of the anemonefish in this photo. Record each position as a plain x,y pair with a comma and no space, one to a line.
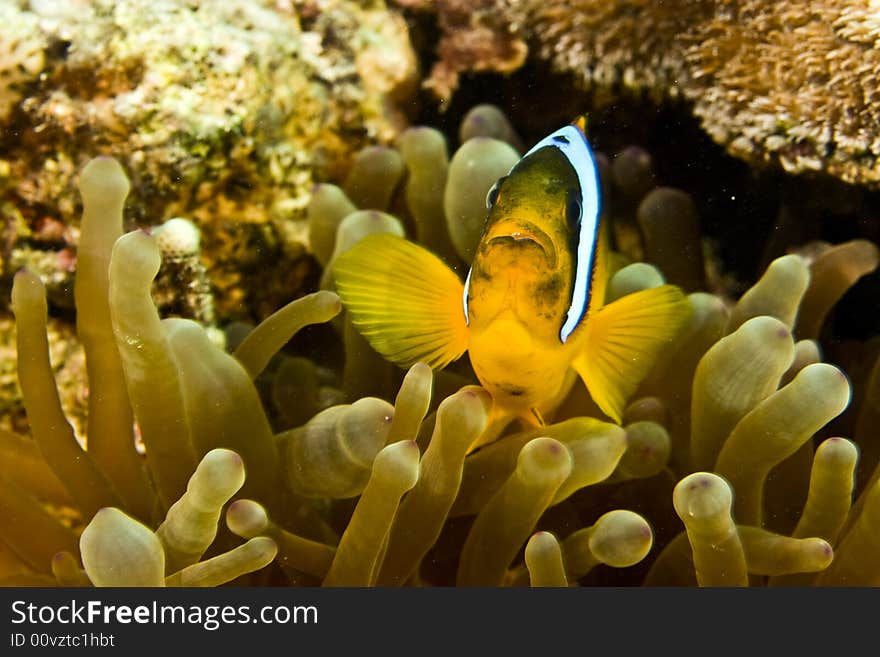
532,305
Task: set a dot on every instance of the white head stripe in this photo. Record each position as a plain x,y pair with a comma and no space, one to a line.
574,146
464,296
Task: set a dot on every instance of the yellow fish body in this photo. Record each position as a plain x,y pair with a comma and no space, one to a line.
531,308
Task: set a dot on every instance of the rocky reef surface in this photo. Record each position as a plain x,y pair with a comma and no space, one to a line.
228,112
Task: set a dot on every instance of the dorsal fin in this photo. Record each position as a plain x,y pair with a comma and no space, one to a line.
581,124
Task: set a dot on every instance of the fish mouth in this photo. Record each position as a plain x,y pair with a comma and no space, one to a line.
522,231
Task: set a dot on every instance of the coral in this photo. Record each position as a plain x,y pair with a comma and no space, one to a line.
726,469
226,111
21,55
179,242
770,82
476,36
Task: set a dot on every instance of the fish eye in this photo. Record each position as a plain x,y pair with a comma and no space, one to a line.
573,209
492,195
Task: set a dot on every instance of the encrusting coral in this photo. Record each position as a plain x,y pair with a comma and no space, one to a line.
723,471
224,112
767,80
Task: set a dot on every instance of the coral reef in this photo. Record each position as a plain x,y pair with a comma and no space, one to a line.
179,241
475,36
225,112
21,57
728,469
767,80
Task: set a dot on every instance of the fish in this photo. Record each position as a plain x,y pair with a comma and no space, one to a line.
531,312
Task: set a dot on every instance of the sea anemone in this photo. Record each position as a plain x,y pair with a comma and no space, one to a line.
722,473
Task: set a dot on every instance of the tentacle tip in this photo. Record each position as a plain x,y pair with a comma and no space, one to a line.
554,448
421,367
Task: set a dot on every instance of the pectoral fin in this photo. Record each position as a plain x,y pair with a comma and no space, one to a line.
623,341
403,300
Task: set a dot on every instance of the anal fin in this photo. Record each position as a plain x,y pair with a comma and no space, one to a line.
403,299
623,341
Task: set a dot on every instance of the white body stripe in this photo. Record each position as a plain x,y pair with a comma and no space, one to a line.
574,146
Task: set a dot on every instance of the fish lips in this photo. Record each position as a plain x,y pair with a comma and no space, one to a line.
511,231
